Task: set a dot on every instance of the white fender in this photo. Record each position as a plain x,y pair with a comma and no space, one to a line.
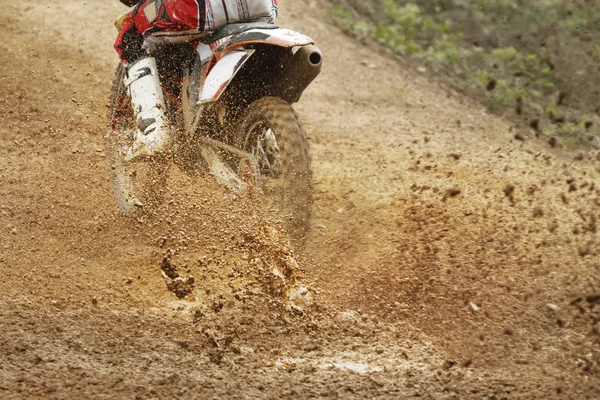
232,56
280,37
222,73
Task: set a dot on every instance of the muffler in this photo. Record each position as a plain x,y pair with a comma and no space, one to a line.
304,66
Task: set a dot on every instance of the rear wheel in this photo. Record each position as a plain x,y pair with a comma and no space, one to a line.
136,185
271,130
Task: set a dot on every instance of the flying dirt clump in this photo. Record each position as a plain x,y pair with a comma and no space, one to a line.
272,260
258,266
587,316
271,263
182,287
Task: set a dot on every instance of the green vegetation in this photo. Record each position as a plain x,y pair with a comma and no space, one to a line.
540,57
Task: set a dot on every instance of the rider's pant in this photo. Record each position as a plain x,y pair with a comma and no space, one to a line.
181,15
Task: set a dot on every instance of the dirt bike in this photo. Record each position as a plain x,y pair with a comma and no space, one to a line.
229,96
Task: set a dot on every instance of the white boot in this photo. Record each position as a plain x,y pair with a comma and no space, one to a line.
153,133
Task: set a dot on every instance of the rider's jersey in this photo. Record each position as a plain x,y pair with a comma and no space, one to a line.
150,16
222,12
203,15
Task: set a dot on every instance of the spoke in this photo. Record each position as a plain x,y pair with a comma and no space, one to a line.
266,150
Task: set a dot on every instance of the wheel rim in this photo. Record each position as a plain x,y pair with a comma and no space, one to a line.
271,131
261,142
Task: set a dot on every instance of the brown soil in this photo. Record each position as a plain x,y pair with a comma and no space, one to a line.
452,255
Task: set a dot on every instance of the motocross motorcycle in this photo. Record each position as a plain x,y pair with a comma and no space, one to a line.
228,96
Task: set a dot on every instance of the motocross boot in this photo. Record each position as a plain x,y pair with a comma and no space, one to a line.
153,134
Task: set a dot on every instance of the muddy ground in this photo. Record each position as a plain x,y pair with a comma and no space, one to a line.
453,254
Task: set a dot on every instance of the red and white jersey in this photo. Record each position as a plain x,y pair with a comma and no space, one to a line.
203,15
150,16
222,12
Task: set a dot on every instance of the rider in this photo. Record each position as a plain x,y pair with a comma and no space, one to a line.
153,133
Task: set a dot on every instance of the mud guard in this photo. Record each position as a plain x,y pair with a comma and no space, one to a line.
222,73
279,37
231,56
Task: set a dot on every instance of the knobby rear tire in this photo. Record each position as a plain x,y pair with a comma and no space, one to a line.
294,200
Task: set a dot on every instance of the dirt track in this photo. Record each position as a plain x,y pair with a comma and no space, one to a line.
450,260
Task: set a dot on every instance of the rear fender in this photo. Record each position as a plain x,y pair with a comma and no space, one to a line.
278,37
230,55
219,77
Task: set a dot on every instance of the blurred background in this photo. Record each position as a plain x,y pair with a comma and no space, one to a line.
539,58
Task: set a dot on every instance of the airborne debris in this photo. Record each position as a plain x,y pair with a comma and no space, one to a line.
509,190
584,250
535,124
182,287
538,212
452,192
519,136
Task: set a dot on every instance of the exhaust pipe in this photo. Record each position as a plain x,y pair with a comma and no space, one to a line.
304,66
